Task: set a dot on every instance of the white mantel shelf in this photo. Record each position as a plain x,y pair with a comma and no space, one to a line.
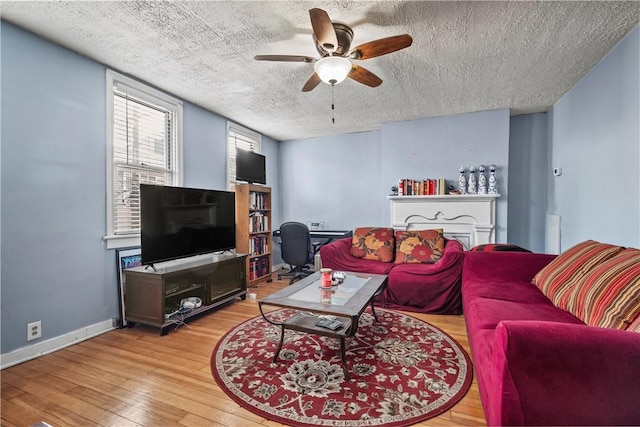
448,197
469,218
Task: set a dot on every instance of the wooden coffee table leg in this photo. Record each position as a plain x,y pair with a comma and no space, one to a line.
275,356
343,354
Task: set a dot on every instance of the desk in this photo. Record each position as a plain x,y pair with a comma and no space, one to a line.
330,235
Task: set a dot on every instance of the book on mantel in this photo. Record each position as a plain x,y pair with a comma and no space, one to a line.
425,187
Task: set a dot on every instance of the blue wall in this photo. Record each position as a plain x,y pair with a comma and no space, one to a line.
55,267
205,148
595,138
438,147
344,180
529,173
333,179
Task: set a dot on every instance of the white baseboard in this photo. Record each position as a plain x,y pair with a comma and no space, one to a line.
54,344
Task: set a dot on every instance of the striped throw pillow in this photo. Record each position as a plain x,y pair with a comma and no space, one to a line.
558,277
635,325
609,295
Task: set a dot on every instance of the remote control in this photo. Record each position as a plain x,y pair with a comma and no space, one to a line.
330,324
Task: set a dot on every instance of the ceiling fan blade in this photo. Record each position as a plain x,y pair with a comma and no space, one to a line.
364,76
381,47
323,29
311,84
285,58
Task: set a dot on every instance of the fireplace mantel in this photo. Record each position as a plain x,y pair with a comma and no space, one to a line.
471,219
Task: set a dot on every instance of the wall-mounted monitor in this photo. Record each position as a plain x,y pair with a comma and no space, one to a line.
250,167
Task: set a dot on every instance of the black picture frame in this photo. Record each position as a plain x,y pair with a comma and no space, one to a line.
125,258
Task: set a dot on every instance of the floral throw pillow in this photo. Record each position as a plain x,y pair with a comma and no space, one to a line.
419,246
373,243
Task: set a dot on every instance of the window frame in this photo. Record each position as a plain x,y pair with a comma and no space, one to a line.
155,97
246,134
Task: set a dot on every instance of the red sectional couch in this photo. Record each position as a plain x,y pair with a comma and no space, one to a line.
425,288
537,364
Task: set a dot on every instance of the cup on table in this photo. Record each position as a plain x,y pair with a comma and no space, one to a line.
325,277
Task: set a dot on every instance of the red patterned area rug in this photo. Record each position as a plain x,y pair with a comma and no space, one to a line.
402,371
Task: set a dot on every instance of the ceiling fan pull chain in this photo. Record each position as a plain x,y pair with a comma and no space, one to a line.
333,108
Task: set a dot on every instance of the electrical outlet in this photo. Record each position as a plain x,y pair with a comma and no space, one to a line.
34,330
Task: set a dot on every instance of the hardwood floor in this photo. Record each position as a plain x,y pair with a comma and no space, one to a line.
137,377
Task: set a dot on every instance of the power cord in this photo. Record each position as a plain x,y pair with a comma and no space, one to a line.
177,317
181,311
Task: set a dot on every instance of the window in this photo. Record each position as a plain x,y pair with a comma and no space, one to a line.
239,137
144,146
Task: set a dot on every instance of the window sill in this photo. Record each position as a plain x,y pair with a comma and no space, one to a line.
119,241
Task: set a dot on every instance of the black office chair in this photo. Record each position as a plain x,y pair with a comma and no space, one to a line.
297,250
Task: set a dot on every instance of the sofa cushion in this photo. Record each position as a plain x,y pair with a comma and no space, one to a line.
557,279
486,313
427,288
520,292
609,294
419,246
500,247
373,243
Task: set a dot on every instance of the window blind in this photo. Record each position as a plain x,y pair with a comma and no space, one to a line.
143,153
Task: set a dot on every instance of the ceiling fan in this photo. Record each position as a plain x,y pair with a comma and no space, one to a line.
333,42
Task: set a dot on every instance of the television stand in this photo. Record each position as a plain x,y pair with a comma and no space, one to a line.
152,294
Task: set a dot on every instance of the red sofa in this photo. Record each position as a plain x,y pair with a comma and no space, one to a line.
537,364
425,288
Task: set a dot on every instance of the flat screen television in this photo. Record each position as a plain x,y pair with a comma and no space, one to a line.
177,222
250,167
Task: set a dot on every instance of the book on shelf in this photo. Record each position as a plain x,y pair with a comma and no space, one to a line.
258,245
258,267
257,201
258,222
424,187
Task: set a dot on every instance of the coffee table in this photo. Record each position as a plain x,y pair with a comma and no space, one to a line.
345,301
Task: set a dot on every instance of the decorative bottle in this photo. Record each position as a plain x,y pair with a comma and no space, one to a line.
462,182
472,181
482,181
493,188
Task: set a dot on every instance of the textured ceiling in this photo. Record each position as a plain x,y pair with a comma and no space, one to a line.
465,57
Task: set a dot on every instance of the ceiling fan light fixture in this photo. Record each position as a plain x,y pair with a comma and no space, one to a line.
332,69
